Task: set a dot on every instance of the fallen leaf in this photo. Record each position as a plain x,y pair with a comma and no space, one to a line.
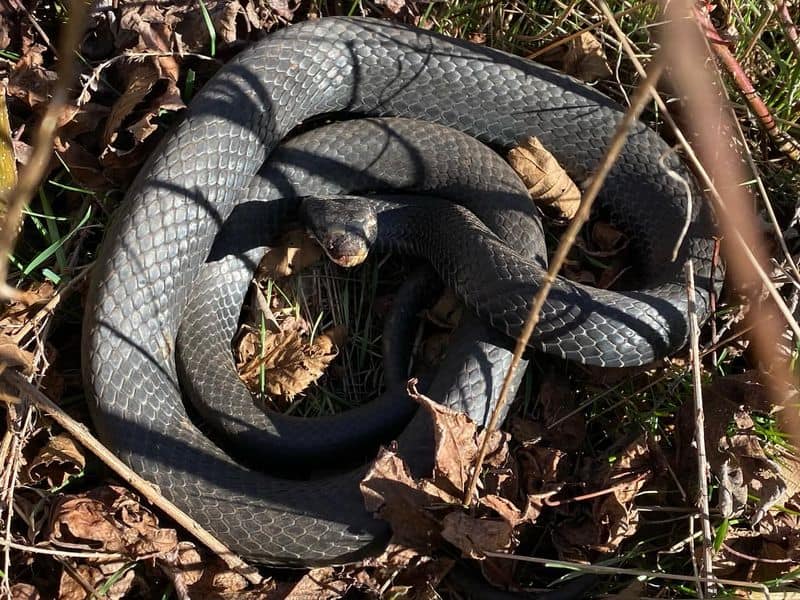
736,453
390,492
289,361
322,584
394,6
613,517
30,81
24,591
585,58
11,355
58,460
475,536
70,589
109,519
297,251
547,182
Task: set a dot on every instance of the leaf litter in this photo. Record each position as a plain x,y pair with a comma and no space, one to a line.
535,476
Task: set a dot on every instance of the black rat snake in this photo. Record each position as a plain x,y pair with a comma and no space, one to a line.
153,251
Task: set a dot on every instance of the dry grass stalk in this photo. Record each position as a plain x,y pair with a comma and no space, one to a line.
91,443
17,198
700,438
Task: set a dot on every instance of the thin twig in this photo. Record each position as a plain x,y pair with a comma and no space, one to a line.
33,171
145,488
785,143
707,180
111,556
638,103
686,43
700,424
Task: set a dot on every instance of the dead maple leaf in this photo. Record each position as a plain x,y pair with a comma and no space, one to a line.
58,460
585,58
547,181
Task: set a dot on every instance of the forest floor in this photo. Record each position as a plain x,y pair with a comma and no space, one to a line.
597,472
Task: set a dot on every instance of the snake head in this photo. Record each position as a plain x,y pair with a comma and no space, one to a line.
345,227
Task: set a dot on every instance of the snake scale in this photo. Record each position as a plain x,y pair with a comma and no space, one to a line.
155,247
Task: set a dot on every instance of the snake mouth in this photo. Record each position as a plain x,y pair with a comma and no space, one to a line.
344,227
345,248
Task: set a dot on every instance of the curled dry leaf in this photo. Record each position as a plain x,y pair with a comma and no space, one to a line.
138,107
547,182
613,516
11,355
402,569
109,519
188,562
30,81
24,591
70,588
422,512
392,493
585,58
290,362
295,252
474,536
58,460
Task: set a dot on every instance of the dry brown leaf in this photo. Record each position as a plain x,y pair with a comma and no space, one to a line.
70,589
585,58
11,355
142,78
30,81
24,591
457,443
406,569
394,6
189,562
290,363
547,182
322,584
297,251
109,519
390,492
736,455
58,460
474,536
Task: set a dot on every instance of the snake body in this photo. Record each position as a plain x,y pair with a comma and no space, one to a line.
154,249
